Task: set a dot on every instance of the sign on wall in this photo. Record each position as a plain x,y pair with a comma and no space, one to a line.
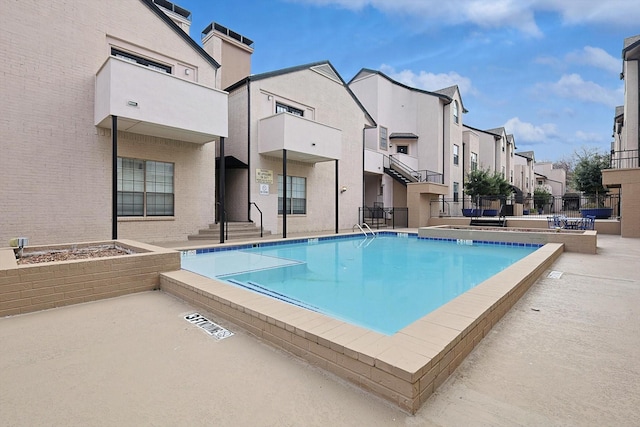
264,189
264,176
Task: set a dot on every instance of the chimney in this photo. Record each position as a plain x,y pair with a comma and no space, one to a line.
231,50
181,17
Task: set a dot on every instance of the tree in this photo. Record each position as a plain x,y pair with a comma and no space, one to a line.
482,183
587,173
541,197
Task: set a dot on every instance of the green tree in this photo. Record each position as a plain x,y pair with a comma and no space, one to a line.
483,183
587,173
541,197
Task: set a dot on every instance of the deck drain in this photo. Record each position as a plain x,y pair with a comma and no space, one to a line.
216,331
555,275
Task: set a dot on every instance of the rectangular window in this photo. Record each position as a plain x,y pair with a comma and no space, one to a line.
296,195
511,177
140,60
503,173
282,108
502,145
145,188
403,149
456,154
474,161
456,190
383,138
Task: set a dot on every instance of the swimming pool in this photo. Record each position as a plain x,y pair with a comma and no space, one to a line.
383,283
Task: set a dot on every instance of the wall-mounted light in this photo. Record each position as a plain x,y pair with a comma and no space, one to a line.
269,97
132,103
343,189
187,71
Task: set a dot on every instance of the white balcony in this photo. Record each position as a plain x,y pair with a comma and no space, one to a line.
305,140
155,103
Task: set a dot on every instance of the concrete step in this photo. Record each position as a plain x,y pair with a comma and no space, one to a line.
235,231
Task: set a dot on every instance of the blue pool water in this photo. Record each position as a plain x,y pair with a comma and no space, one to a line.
383,284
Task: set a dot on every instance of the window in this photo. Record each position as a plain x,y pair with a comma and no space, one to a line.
456,118
503,173
145,188
474,161
511,177
383,138
456,189
282,108
140,60
296,195
403,149
527,182
456,154
502,143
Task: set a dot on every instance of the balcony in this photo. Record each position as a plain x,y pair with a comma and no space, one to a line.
305,140
155,103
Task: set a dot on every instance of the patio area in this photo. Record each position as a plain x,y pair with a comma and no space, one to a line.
565,354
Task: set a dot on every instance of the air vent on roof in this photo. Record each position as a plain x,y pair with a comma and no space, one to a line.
174,8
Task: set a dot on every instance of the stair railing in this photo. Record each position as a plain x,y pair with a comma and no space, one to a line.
254,204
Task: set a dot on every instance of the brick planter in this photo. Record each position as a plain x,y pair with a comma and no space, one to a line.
32,287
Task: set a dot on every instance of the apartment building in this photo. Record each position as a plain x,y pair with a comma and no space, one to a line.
296,138
624,176
523,167
110,117
419,139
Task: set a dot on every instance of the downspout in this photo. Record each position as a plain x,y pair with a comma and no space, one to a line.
249,149
464,156
284,193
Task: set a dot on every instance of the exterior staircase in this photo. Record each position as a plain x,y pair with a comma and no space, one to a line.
235,231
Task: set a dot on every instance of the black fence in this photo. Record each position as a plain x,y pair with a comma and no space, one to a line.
378,217
570,205
624,159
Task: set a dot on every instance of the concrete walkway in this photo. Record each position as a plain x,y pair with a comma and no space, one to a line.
566,354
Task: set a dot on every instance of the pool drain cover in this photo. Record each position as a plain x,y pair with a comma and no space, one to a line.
555,275
216,331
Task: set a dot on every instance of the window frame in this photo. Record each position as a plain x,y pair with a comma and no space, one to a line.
456,154
284,108
142,200
456,191
301,205
384,140
149,63
456,115
474,161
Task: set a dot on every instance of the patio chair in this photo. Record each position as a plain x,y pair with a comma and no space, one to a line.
588,223
555,221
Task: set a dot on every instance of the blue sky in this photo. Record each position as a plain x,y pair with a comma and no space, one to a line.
548,71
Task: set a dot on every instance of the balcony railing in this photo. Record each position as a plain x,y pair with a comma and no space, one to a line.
423,175
624,159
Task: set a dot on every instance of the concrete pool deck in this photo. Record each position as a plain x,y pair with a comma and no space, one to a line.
564,354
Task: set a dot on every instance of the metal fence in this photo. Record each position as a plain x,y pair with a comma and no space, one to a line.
569,205
378,216
624,159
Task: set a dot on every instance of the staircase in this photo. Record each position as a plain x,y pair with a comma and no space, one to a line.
236,231
397,176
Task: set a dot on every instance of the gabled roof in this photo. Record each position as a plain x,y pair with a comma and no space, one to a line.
619,111
323,67
151,5
483,131
368,71
451,92
526,154
497,131
512,140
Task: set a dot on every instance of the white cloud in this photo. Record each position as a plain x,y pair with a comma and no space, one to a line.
595,57
572,86
527,132
589,137
516,14
430,81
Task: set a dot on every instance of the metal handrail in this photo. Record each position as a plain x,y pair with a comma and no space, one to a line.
254,204
369,228
359,227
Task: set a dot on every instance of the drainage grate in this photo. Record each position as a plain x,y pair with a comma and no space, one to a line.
555,275
216,331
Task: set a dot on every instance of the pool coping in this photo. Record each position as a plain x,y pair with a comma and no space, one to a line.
404,368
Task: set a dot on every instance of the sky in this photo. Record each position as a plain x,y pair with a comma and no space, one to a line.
547,71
